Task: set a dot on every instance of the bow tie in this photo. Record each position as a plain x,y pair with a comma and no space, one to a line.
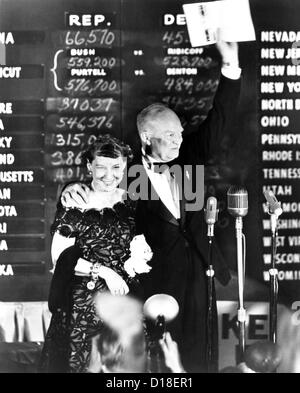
157,167
163,168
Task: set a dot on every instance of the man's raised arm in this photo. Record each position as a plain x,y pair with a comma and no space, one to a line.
220,119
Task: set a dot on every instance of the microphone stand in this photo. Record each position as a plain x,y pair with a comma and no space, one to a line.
237,198
241,284
210,285
273,272
210,278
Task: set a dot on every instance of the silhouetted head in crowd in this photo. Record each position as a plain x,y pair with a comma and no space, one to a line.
121,341
119,354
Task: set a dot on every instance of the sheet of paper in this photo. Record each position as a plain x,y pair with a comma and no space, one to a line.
228,20
203,20
236,21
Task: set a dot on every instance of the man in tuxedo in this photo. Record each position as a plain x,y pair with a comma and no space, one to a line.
171,216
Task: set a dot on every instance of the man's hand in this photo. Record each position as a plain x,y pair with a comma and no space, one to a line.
229,53
75,195
171,353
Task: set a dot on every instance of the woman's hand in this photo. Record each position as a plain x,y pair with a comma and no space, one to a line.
114,281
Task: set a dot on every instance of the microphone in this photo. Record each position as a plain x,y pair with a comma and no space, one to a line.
273,204
274,208
237,205
237,201
211,215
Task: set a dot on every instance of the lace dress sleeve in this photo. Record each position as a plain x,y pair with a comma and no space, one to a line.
66,222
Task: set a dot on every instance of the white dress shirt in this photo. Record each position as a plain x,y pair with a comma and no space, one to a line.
162,187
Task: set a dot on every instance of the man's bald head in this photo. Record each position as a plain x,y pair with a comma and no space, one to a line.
160,132
151,114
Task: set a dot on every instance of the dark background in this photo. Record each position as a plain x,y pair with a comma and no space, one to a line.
40,31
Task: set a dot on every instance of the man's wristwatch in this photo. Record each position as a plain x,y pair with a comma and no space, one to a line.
234,64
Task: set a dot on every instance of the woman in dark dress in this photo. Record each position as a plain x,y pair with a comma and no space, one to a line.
103,231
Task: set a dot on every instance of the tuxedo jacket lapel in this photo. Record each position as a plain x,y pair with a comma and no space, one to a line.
153,202
182,201
156,205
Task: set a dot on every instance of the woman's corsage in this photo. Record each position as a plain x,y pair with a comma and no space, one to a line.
140,254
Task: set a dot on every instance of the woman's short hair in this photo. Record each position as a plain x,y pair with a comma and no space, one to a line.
107,146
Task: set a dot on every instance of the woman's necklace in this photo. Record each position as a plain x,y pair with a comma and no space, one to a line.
103,199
